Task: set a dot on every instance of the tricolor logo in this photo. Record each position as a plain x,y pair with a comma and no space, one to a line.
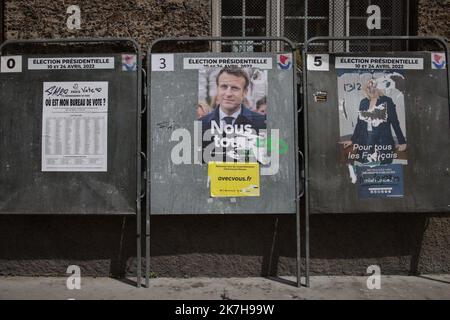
284,61
438,60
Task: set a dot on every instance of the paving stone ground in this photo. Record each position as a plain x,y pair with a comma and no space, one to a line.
321,287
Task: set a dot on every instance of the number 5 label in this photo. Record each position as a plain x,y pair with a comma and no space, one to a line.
162,62
11,64
318,62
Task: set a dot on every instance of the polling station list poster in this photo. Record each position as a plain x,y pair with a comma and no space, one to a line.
75,126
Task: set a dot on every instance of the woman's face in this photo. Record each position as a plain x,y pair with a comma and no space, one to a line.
372,90
202,110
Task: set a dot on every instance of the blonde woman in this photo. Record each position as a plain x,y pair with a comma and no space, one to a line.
203,109
372,137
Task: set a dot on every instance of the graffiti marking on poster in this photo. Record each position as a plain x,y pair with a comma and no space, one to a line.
74,126
379,63
372,123
234,179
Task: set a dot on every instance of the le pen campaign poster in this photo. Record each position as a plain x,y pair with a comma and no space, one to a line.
373,133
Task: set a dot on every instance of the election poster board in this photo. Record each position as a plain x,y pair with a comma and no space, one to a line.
222,134
69,130
376,127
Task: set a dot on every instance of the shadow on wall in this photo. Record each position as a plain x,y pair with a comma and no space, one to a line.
222,246
47,245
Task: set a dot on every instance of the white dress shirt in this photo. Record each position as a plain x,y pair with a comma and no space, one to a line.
224,115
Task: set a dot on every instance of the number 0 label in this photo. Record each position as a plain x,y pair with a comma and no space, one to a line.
162,62
11,64
319,62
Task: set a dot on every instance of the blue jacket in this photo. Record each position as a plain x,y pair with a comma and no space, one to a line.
256,120
383,132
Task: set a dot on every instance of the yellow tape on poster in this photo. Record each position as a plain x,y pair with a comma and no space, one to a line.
229,179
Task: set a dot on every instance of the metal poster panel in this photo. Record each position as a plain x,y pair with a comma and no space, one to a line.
378,127
69,134
222,134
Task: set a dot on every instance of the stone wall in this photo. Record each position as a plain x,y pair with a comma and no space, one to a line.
143,20
224,246
434,17
146,20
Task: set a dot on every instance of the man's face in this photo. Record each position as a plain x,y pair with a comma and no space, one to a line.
230,92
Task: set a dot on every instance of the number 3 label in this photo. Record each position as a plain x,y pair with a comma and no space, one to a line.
319,62
162,62
11,64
